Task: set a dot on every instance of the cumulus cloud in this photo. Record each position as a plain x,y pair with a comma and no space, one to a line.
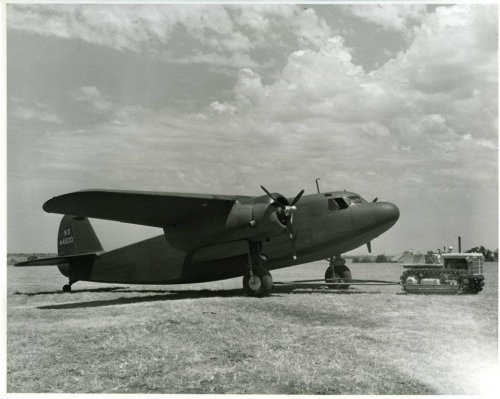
227,34
120,27
397,17
431,93
90,95
93,102
451,68
428,107
32,110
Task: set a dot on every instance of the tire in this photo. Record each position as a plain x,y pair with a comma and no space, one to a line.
342,272
260,287
66,288
474,287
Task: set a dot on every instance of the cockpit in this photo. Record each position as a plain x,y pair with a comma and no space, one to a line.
344,202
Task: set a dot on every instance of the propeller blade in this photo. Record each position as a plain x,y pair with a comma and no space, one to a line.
369,246
293,238
268,193
375,199
285,211
296,199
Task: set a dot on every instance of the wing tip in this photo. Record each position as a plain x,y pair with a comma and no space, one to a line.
52,205
48,205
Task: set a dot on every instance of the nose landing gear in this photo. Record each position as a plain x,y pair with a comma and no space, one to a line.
338,270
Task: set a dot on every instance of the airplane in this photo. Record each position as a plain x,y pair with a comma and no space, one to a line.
209,237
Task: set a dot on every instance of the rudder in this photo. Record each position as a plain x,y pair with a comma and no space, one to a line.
76,236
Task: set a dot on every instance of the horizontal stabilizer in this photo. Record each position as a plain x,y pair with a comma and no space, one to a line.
58,260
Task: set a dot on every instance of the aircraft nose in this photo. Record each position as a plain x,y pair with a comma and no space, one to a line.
375,215
387,213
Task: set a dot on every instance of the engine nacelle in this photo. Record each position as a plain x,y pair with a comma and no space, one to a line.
265,220
252,219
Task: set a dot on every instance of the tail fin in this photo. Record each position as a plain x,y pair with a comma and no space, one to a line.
76,236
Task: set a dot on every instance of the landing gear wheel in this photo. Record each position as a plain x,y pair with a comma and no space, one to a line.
258,285
341,272
66,288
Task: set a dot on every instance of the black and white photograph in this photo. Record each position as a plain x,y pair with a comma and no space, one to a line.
251,198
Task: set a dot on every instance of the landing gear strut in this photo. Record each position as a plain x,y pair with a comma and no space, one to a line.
338,270
257,281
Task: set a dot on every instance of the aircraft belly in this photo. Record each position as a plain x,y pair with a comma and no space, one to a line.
154,261
151,261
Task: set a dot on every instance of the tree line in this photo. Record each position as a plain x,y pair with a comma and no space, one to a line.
489,255
369,259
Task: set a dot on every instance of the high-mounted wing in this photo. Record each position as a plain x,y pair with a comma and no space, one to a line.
155,209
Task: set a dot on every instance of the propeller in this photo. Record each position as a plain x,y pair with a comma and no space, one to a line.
375,199
284,211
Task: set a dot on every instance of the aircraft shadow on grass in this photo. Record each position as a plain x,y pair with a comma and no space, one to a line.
59,292
172,295
165,296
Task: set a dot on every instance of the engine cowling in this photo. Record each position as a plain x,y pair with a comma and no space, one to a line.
257,219
265,218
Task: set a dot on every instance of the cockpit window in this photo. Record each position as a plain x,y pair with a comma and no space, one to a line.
332,205
340,203
343,203
356,199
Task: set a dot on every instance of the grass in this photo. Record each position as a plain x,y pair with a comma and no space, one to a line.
209,338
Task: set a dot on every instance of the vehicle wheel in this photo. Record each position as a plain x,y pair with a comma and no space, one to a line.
411,279
66,288
258,285
341,272
474,287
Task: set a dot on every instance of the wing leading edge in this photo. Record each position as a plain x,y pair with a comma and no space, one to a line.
146,208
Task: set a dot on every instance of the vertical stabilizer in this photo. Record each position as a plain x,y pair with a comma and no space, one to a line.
76,236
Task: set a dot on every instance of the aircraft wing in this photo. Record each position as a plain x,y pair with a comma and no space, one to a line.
146,208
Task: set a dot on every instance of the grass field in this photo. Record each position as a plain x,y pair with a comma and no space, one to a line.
210,338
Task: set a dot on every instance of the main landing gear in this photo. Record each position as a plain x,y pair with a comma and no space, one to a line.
67,287
257,281
338,270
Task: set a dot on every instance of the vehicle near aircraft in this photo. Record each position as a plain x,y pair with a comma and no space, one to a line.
210,237
457,273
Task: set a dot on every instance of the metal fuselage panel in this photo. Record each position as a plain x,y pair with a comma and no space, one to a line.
321,233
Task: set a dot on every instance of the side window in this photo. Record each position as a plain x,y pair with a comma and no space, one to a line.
342,204
332,205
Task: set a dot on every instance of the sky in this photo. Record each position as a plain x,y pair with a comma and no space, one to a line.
398,102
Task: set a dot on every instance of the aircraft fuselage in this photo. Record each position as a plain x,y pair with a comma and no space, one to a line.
208,249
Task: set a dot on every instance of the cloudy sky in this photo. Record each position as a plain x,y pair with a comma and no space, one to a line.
397,102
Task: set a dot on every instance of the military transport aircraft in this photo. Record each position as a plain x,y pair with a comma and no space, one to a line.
212,237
